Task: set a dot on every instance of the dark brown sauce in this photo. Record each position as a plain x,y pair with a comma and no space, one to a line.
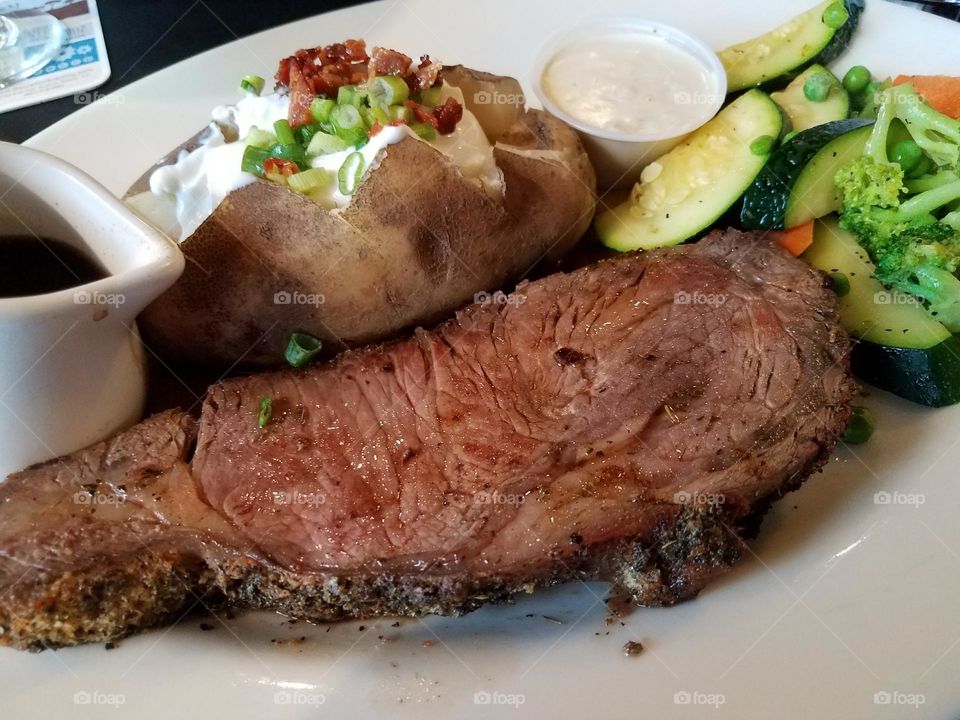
34,266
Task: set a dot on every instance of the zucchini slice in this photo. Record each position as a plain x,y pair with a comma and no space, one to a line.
899,348
804,113
796,185
688,188
777,56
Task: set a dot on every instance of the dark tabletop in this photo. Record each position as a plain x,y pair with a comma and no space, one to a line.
144,36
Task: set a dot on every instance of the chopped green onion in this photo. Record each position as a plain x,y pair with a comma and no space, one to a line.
390,89
284,133
321,144
860,426
424,130
259,138
310,180
251,84
839,281
350,95
348,124
320,109
291,151
253,159
431,96
817,87
302,348
305,133
345,117
763,145
350,173
835,15
375,114
790,135
266,412
400,113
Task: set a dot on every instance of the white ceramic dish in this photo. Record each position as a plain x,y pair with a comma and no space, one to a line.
71,367
619,157
844,599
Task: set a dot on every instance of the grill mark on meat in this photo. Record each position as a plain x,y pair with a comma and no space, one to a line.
479,465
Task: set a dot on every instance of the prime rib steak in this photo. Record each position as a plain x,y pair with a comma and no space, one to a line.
622,422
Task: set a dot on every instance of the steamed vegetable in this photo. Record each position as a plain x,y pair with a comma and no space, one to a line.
816,36
912,237
814,97
900,347
796,240
696,182
860,426
940,92
795,185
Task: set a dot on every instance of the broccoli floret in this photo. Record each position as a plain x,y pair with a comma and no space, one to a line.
868,182
937,134
913,250
952,219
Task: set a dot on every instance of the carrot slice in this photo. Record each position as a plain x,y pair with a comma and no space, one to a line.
941,92
796,239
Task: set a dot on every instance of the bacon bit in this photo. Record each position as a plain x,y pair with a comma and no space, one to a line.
301,95
280,166
389,62
338,55
428,73
326,69
422,113
444,118
448,115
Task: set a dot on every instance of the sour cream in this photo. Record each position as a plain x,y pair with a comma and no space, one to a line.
631,83
184,193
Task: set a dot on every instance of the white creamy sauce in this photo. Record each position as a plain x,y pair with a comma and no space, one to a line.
184,194
638,84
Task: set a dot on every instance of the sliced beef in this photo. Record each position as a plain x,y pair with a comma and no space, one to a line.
109,540
620,422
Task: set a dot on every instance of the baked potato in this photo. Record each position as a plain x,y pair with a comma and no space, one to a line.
418,238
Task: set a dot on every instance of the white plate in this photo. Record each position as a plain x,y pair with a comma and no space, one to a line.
844,598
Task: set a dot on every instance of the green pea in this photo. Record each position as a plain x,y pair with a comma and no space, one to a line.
817,87
835,15
856,79
921,168
763,145
840,283
860,426
907,154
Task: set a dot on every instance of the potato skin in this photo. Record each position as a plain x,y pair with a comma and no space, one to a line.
417,241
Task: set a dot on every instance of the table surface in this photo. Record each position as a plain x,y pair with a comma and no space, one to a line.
144,36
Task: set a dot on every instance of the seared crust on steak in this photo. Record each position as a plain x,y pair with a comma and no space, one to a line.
623,422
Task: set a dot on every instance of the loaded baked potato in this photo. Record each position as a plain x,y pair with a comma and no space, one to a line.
427,186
